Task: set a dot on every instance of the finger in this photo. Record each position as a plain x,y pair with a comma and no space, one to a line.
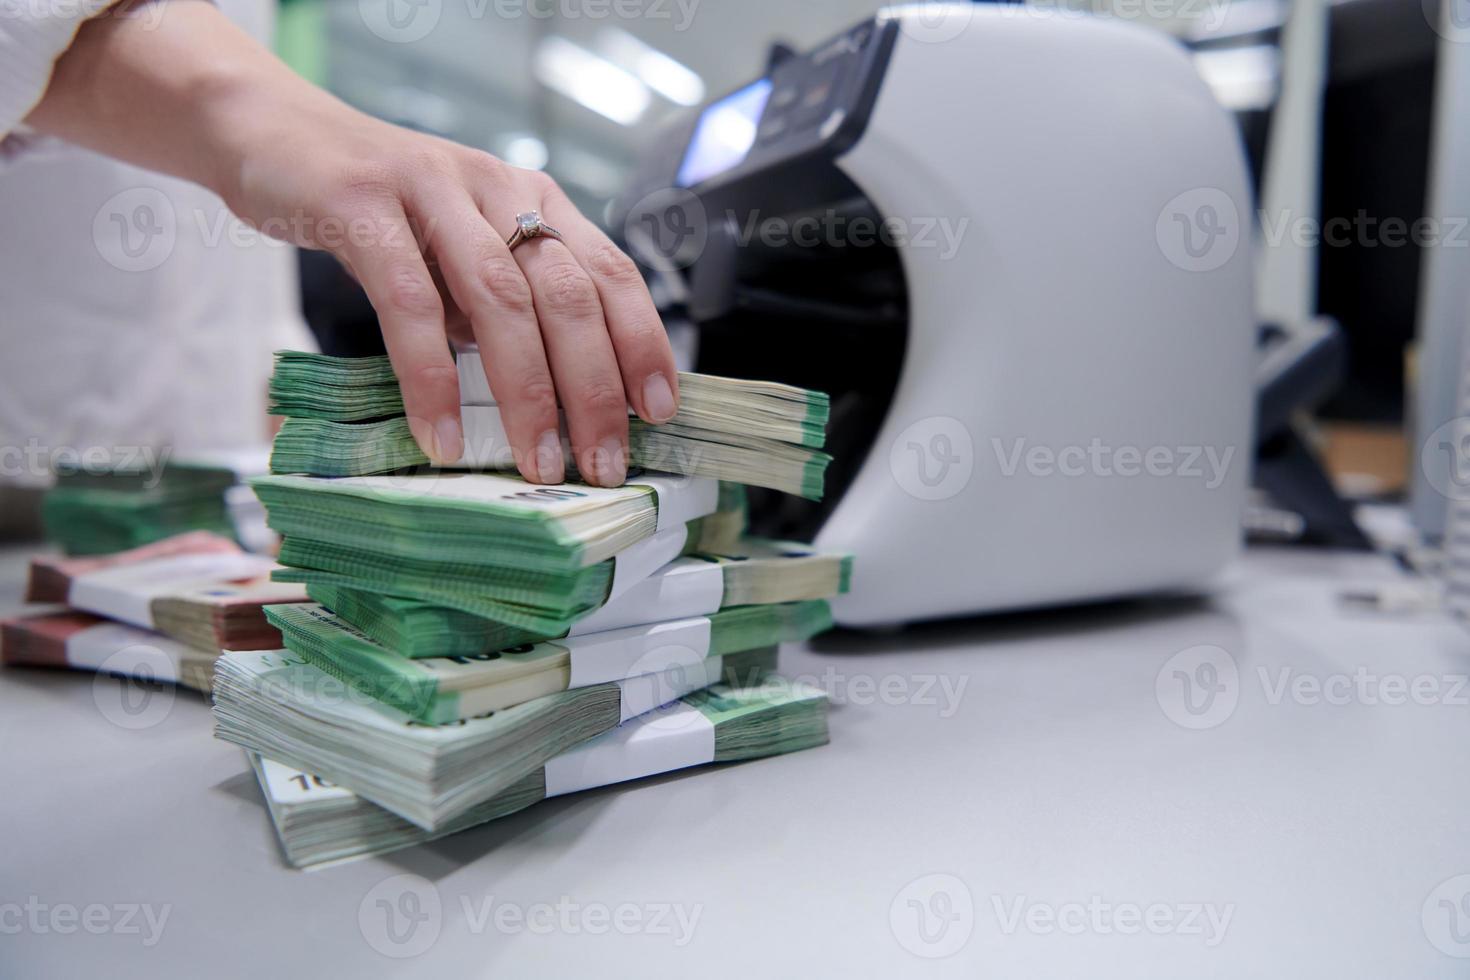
639,339
485,282
392,272
583,363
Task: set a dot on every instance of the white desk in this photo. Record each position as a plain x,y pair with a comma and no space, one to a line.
1321,829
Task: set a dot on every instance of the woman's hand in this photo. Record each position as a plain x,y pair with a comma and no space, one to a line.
421,222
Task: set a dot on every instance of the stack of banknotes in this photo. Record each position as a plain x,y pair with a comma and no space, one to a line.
319,822
164,611
104,509
473,644
344,417
80,641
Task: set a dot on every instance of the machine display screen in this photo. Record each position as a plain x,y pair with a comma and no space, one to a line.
725,133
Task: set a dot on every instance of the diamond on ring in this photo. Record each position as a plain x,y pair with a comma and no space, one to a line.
528,226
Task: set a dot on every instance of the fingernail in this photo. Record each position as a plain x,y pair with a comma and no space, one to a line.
658,398
610,464
450,439
550,468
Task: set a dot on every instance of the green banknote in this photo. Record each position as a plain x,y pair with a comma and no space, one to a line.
279,705
436,690
343,389
344,417
319,822
525,598
481,518
325,448
96,511
92,519
753,571
535,558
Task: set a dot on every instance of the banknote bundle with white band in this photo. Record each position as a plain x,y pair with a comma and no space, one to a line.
597,658
319,822
673,737
685,587
80,641
126,592
635,563
676,736
281,707
486,446
122,649
757,433
289,786
647,691
681,498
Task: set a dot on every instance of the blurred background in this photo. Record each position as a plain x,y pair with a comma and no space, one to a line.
1355,120
577,90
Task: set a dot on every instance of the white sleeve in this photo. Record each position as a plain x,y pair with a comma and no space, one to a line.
33,34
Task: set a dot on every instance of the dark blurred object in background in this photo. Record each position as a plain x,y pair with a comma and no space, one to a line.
1377,115
336,308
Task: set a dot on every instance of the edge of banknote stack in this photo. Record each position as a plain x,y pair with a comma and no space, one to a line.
344,417
320,823
474,644
164,611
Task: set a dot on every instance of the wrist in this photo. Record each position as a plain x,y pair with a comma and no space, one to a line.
265,128
223,107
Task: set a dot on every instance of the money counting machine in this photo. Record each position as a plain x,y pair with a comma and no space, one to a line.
1010,246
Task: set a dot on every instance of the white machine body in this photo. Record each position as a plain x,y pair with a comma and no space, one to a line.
1073,418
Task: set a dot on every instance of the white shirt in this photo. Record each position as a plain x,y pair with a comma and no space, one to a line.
136,311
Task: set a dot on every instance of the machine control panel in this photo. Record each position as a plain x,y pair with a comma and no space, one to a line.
812,103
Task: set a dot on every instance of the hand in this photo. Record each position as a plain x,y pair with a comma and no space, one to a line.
421,222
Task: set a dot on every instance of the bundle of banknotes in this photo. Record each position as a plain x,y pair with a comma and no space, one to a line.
344,417
319,822
163,611
101,509
80,641
472,644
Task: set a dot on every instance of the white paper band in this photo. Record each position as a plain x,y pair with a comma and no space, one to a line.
599,658
474,389
486,446
290,786
126,592
117,648
687,587
680,498
672,738
644,693
634,564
